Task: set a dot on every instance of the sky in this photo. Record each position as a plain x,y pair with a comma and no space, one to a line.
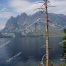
10,8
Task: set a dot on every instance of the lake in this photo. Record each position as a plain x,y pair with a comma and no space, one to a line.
27,50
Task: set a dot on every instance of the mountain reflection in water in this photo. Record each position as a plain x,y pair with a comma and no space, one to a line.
31,49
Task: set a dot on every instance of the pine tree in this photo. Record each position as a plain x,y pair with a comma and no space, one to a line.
63,45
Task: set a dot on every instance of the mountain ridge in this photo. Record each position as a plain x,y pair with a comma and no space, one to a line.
19,23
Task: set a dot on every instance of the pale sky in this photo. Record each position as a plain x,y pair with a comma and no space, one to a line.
10,8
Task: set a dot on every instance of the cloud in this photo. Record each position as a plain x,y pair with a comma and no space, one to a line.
60,7
2,26
3,9
19,5
6,14
2,23
33,8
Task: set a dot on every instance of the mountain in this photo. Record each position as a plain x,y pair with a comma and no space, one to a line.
31,45
28,23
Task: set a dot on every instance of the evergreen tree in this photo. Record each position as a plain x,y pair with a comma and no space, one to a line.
63,45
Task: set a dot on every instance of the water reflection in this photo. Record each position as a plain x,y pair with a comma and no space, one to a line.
31,50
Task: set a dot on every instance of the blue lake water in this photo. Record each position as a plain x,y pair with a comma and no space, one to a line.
27,50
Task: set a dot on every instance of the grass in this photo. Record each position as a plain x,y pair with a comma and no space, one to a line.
60,65
63,65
